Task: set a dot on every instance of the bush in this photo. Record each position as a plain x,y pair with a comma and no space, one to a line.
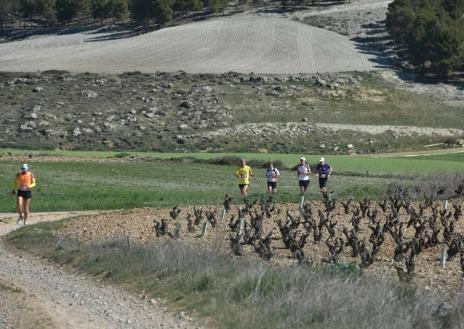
436,185
230,161
122,155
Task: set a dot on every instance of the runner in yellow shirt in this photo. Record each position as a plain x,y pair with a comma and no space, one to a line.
244,174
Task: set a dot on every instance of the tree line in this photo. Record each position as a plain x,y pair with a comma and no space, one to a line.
431,32
64,11
143,11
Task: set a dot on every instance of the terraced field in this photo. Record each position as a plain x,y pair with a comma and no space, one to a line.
244,43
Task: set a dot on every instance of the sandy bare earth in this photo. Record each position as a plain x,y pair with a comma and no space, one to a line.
354,5
242,43
256,128
45,296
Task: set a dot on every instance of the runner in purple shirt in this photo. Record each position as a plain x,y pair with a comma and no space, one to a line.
323,170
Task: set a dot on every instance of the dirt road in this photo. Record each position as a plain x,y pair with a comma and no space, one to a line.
66,300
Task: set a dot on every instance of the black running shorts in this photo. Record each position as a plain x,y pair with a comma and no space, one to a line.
304,183
272,184
322,182
25,194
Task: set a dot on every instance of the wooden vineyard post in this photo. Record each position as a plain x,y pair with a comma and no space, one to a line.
128,242
242,224
205,228
443,251
224,212
443,255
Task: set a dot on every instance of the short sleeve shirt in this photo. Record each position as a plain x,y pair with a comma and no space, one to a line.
272,174
323,170
244,173
303,172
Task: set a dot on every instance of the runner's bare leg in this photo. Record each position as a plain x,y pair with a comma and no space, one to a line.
26,204
19,205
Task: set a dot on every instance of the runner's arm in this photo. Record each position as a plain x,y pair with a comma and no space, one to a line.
33,182
14,185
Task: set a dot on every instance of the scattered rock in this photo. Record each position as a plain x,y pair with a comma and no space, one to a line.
31,115
37,89
206,89
321,82
28,125
101,82
186,104
89,94
108,125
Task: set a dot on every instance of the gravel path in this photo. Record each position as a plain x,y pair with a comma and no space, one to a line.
76,301
242,43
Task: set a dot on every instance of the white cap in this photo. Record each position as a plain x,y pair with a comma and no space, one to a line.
322,159
25,167
303,158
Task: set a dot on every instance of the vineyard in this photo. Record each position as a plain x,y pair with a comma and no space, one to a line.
413,241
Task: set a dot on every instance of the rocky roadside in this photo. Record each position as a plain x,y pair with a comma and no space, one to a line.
75,301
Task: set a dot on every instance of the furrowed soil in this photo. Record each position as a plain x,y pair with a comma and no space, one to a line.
240,43
137,225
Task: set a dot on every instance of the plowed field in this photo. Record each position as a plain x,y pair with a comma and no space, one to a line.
138,225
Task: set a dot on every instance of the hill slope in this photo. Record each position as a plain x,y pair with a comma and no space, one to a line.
244,43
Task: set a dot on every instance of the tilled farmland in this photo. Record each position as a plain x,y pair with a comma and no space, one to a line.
396,238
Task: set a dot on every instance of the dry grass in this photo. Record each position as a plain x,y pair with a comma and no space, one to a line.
241,293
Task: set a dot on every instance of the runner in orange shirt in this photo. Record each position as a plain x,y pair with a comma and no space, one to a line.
22,185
